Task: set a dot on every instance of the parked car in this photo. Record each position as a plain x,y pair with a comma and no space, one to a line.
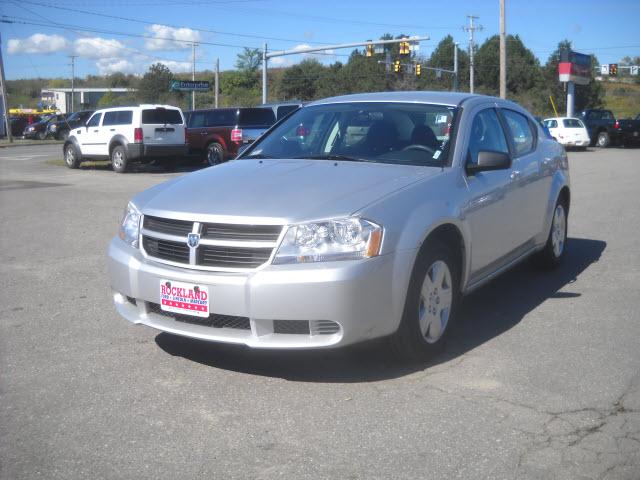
17,125
568,131
349,220
601,126
60,129
216,134
630,131
39,129
128,134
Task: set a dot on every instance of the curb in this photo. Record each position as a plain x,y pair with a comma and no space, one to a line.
20,144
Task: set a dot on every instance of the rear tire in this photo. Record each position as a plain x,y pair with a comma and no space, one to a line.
119,159
603,140
431,305
214,154
63,135
554,250
72,157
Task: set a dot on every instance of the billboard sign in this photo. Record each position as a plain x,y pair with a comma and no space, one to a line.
574,67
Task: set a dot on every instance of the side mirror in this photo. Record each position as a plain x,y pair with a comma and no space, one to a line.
488,160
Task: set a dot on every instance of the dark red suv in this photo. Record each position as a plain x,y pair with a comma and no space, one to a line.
216,134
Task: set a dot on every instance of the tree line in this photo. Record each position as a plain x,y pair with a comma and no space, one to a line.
529,82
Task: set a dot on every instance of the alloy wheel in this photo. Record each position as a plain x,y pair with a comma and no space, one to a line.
436,297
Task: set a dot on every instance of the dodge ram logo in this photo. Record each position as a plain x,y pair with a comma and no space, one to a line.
193,240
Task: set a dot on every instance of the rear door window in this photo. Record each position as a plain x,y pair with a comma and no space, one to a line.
120,117
161,116
220,118
572,123
256,116
285,110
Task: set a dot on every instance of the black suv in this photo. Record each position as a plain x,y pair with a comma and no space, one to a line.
602,127
60,129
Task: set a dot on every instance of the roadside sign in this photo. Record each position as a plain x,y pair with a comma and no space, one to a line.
604,69
634,69
189,85
574,67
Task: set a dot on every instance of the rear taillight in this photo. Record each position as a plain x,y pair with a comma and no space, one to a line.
236,135
616,125
137,135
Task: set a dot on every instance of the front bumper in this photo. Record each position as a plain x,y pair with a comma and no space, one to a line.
355,299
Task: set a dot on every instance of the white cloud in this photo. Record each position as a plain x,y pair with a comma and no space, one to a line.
37,43
169,38
108,66
280,62
176,67
98,48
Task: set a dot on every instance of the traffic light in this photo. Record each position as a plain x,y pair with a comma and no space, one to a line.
404,48
418,69
369,51
613,69
396,66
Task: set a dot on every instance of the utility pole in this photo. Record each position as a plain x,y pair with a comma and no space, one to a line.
264,74
193,74
73,80
455,67
216,83
471,29
503,52
5,105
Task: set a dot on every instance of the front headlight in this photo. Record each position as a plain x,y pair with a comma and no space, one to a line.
129,230
53,127
30,129
330,240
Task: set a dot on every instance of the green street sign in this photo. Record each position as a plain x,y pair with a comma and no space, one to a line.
189,85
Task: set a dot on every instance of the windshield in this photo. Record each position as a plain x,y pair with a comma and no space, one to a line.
407,133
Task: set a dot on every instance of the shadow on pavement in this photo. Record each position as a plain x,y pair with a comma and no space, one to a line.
485,314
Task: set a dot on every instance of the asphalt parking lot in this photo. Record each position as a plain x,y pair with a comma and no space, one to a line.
541,378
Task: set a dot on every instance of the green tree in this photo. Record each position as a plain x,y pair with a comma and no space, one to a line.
249,60
155,84
302,81
523,68
442,57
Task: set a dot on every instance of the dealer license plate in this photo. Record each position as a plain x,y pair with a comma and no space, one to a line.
184,298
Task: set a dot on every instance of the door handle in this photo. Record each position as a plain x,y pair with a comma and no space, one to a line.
203,133
112,129
515,174
96,131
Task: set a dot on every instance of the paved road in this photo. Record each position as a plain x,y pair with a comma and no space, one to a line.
541,378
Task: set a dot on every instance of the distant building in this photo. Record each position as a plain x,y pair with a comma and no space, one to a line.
85,98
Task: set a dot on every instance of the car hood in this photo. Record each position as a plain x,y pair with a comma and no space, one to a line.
277,191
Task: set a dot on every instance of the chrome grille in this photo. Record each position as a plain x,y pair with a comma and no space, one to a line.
167,225
221,231
223,246
166,249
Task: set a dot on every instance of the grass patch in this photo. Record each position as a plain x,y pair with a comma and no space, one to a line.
623,99
59,162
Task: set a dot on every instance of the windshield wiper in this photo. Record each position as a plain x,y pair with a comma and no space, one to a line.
257,156
332,156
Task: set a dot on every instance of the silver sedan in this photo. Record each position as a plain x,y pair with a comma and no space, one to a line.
356,217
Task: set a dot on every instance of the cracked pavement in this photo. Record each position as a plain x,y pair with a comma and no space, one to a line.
540,380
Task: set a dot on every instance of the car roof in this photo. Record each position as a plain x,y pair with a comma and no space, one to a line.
561,118
441,98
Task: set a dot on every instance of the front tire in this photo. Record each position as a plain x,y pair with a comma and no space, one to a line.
71,156
431,305
214,154
603,140
554,250
42,135
119,159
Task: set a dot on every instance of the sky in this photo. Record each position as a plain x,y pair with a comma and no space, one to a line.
108,36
